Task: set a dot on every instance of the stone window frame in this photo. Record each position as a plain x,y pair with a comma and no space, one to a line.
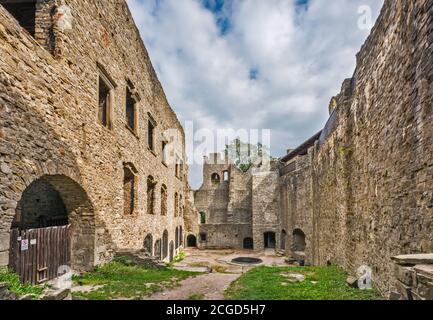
215,181
164,200
151,145
131,168
180,205
203,237
226,175
151,182
176,204
111,85
203,217
131,92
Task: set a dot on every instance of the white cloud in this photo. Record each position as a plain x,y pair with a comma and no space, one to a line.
301,59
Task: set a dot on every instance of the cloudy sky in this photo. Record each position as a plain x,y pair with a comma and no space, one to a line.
260,64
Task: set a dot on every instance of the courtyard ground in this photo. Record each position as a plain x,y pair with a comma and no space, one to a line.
211,275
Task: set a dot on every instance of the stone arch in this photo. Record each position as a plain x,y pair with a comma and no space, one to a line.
157,249
299,241
171,252
191,241
283,240
215,178
164,245
148,244
71,205
176,237
248,243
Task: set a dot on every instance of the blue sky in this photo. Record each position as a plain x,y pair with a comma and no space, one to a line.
260,64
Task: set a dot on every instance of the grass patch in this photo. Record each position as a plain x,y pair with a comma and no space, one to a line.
14,285
127,281
196,297
321,283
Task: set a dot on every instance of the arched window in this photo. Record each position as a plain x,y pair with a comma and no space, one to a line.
181,236
151,184
216,178
180,205
203,217
163,200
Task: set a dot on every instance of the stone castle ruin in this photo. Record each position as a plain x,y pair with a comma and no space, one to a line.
84,155
360,191
83,138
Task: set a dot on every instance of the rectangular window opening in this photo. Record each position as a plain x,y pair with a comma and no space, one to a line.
151,126
24,12
130,111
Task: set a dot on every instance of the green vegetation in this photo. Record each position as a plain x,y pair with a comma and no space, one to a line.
196,297
272,283
180,257
121,279
14,285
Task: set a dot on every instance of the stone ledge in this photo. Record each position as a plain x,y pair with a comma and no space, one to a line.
414,259
426,270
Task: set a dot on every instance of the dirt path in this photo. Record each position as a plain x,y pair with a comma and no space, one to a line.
205,287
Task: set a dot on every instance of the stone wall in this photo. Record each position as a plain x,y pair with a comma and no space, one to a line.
414,277
366,195
266,211
227,205
49,125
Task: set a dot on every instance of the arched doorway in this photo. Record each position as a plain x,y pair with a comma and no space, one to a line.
165,245
53,226
269,240
248,243
191,241
283,239
148,244
157,249
299,241
171,255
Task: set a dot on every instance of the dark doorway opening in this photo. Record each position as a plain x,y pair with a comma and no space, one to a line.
191,241
53,227
148,244
157,249
248,243
269,239
299,242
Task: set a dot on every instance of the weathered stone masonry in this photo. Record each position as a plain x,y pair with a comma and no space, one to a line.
363,191
239,208
49,127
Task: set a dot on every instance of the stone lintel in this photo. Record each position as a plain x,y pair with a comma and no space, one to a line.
414,259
